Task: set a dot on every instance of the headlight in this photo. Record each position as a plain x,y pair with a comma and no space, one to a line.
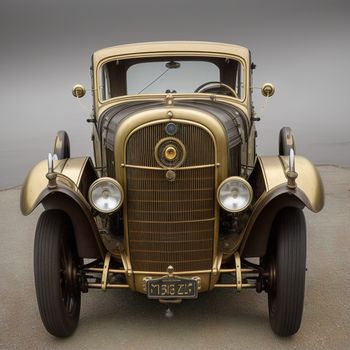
234,194
106,195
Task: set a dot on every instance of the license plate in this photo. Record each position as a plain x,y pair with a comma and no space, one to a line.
172,288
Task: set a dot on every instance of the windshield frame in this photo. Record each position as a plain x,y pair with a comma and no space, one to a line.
176,55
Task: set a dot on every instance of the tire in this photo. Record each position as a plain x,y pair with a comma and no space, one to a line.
55,271
286,141
287,263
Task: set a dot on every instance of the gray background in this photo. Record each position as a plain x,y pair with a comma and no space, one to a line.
303,47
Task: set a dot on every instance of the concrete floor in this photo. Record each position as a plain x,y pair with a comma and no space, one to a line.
121,319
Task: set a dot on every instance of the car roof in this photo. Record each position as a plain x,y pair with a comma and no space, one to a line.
171,47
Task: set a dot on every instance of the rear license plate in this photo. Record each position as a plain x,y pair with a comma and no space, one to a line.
172,288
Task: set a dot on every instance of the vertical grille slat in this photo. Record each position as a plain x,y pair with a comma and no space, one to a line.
170,223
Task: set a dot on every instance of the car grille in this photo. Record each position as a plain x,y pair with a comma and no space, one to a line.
170,222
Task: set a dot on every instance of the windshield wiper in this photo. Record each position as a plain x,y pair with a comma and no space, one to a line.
169,65
153,81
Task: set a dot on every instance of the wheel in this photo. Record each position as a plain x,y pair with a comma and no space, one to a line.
55,271
62,145
286,264
286,141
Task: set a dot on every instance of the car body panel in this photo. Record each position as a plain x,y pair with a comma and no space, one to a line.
308,180
36,181
155,48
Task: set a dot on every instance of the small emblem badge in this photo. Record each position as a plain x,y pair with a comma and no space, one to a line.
170,175
171,129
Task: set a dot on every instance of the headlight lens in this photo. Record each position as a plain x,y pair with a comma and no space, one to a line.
234,194
106,195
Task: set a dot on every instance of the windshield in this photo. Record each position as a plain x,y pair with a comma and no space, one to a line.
171,75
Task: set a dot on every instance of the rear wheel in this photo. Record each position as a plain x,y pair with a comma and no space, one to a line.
286,264
55,270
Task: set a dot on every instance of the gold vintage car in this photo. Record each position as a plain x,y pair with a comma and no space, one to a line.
176,202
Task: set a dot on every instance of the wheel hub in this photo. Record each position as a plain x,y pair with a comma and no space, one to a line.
271,278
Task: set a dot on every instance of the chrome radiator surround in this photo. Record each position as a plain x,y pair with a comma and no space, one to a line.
170,222
127,126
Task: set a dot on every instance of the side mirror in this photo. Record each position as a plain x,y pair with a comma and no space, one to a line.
267,90
78,91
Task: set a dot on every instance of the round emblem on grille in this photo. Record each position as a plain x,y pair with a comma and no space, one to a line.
170,152
171,129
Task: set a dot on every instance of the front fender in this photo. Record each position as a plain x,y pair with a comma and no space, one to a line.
270,181
274,171
73,181
79,173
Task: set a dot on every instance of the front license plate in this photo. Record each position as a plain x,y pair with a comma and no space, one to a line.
172,288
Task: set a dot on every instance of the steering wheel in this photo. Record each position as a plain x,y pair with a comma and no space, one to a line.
215,88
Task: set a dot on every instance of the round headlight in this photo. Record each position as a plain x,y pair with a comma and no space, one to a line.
234,194
106,195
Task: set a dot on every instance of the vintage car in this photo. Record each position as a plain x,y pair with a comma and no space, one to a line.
176,202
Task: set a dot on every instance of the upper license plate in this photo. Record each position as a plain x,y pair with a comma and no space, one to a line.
172,288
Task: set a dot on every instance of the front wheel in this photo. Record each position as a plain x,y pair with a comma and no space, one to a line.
55,271
286,264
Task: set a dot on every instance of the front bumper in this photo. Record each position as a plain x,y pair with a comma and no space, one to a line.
105,276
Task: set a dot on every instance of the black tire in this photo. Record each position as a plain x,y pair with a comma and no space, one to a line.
286,141
287,263
55,267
